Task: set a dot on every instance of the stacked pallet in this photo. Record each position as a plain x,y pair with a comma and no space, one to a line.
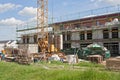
23,57
113,64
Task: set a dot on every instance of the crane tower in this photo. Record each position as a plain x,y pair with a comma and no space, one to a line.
42,24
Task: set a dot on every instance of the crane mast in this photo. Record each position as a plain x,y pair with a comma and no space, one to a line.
42,24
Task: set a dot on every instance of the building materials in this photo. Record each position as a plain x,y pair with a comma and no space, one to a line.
23,57
42,22
77,30
11,52
72,59
95,58
9,59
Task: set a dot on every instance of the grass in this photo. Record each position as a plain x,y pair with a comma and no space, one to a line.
13,71
89,64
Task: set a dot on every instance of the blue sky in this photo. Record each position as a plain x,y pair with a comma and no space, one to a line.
14,12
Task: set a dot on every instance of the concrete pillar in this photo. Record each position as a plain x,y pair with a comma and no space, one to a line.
119,47
21,41
65,36
61,41
25,39
119,32
31,39
85,35
110,34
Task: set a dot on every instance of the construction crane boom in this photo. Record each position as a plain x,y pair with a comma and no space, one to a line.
42,23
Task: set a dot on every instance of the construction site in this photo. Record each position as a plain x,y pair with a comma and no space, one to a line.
92,36
89,27
72,35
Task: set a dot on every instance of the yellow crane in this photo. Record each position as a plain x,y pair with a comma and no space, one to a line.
42,23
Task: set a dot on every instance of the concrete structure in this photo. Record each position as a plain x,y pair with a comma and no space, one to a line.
29,43
103,29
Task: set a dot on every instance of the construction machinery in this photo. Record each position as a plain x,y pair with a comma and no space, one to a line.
92,49
42,25
42,22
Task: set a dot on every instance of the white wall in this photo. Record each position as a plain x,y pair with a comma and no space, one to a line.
97,34
75,45
75,36
33,48
30,48
31,40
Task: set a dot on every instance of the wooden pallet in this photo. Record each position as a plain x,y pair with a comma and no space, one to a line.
95,58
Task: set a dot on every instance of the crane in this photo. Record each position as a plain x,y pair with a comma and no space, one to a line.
42,23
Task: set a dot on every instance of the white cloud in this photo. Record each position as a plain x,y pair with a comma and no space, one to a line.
8,6
10,22
112,1
92,0
28,11
34,19
32,22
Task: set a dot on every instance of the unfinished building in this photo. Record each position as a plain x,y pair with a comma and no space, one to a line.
102,29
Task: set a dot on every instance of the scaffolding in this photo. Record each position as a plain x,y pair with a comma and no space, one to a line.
68,20
70,24
89,13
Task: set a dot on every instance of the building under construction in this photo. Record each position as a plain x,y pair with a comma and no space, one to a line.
95,27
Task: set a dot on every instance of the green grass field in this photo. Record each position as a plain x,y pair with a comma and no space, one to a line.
56,71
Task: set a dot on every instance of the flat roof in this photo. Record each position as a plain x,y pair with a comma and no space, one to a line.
90,17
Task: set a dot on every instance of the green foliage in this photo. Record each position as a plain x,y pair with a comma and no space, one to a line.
89,64
57,62
13,71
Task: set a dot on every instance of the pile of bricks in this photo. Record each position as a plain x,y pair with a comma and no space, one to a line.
113,64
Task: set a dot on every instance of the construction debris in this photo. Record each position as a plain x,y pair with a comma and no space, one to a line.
11,52
113,63
9,59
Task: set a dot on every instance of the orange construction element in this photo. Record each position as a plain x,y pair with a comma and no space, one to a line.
3,51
